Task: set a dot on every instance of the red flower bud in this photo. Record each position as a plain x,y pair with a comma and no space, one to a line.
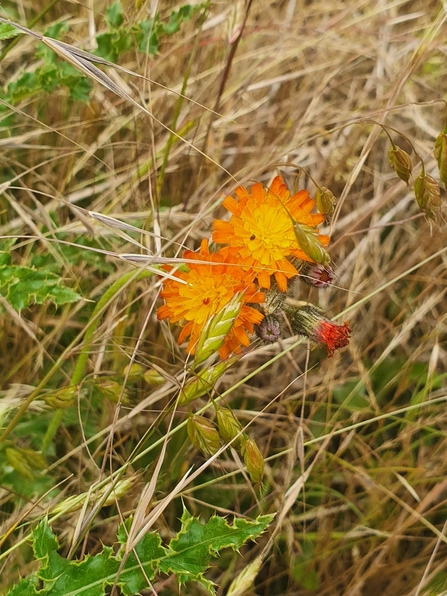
310,322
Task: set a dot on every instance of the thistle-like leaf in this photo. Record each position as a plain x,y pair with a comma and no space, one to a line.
23,286
188,556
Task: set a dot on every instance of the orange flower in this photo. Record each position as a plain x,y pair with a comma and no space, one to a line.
209,288
261,233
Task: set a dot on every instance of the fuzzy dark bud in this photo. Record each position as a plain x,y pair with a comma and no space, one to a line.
268,330
316,275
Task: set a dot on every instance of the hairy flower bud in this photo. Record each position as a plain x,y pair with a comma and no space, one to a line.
229,426
401,163
325,201
309,321
203,435
428,195
316,275
440,153
273,299
253,460
268,330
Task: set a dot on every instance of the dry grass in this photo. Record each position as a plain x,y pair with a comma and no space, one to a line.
366,429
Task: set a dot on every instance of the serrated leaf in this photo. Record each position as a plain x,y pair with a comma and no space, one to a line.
190,552
188,556
23,286
25,587
8,31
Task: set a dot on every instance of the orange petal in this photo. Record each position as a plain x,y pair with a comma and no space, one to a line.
281,280
264,280
222,231
232,205
258,191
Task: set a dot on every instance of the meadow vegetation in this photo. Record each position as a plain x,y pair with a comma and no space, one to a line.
110,172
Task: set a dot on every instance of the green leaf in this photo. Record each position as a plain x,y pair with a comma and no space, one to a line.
23,286
25,587
114,15
5,251
80,89
112,44
180,16
188,556
8,31
147,36
24,86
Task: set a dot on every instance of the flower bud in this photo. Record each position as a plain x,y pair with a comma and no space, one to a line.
273,298
268,330
316,275
253,460
440,153
309,243
203,435
309,321
401,163
229,426
428,195
325,201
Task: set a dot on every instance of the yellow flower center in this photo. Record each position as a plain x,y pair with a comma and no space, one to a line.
269,233
206,295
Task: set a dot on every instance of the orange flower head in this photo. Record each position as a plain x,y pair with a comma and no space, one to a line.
260,232
208,289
